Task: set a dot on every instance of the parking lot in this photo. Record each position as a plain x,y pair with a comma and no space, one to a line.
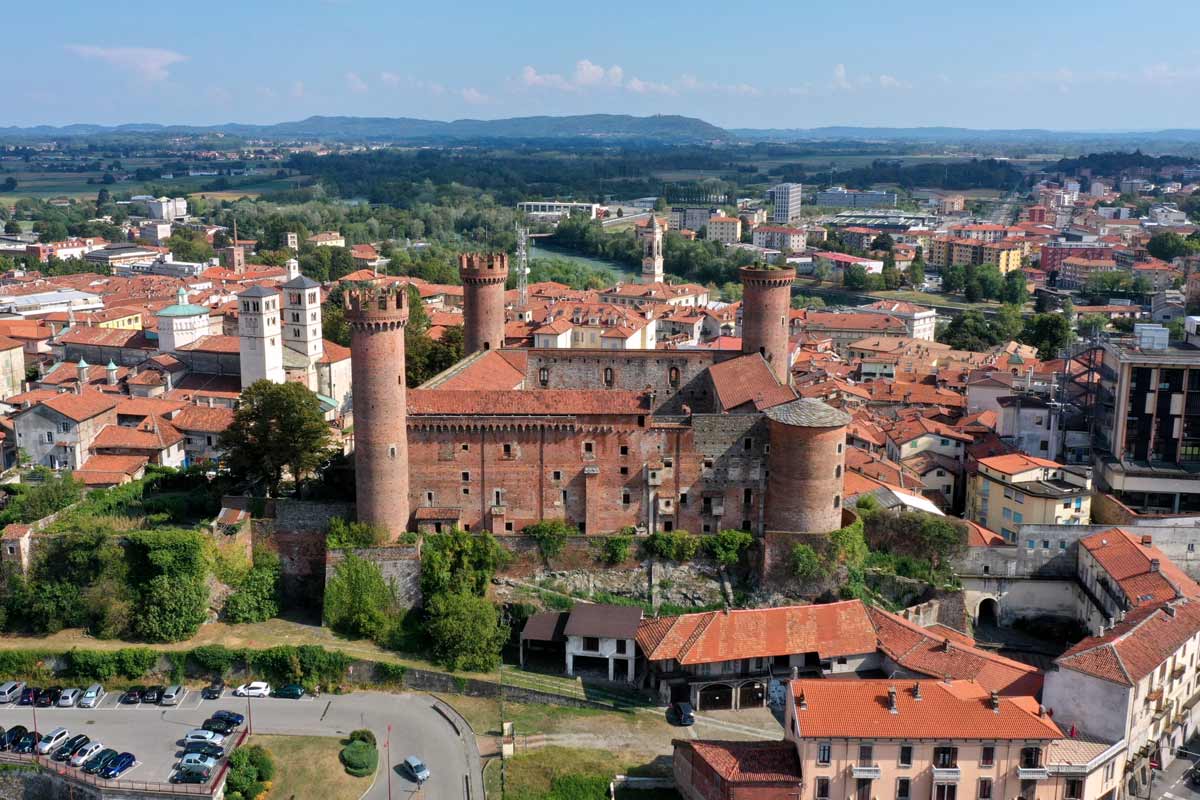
152,732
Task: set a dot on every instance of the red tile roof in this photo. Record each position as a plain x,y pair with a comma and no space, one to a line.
332,352
152,435
106,470
1014,463
80,407
539,402
956,710
748,379
1137,646
203,419
747,763
213,344
1129,559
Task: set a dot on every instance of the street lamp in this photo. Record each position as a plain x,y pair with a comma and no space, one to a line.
388,746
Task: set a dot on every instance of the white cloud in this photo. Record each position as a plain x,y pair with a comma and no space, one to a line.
474,96
355,83
589,74
395,81
297,90
545,80
390,79
148,63
890,82
839,78
639,86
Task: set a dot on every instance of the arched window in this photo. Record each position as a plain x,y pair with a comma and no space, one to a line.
837,501
673,376
608,376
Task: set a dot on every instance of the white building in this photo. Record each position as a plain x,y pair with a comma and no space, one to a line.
260,336
167,208
726,230
787,203
553,211
181,323
780,237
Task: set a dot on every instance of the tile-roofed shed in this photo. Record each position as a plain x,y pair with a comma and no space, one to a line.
744,764
845,709
604,621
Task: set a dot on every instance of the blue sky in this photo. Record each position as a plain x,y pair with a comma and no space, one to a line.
776,63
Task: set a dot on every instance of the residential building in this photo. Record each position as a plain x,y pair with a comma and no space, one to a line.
839,196
780,237
592,637
725,230
691,217
787,203
1076,270
327,239
915,435
1011,490
1052,254
58,432
171,209
921,322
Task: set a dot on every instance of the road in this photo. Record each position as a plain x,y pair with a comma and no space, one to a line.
151,732
1172,783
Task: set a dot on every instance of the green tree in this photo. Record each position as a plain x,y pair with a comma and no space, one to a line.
1006,324
822,272
171,608
1016,288
189,245
465,631
916,272
256,598
954,279
973,291
278,426
1092,324
968,331
459,561
358,600
855,277
891,276
12,227
1170,245
333,324
806,563
883,241
1049,333
941,540
726,547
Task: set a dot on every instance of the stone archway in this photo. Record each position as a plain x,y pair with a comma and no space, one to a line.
988,613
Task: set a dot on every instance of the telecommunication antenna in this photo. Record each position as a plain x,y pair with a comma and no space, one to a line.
522,265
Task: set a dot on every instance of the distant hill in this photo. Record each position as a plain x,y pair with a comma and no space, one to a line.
954,135
665,128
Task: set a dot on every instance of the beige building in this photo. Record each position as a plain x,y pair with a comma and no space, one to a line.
1016,489
725,230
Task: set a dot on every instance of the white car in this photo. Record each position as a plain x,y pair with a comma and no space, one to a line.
86,752
201,735
52,740
253,689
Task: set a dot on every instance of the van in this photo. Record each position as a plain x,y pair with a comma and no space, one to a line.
91,696
10,691
172,695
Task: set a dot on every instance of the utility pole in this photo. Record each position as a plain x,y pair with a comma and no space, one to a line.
388,746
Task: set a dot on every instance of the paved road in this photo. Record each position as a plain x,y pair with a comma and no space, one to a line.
151,732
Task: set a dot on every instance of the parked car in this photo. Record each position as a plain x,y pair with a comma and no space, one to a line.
417,769
221,726
70,746
117,766
92,696
49,697
214,690
205,749
11,736
292,691
201,735
153,694
11,690
133,695
99,761
28,742
52,740
85,753
29,696
253,689
69,697
173,695
230,716
681,714
195,762
187,776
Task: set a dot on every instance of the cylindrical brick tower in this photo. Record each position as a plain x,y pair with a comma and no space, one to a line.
766,300
806,465
377,317
483,277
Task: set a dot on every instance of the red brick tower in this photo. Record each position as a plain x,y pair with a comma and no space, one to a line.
766,300
377,317
483,277
806,466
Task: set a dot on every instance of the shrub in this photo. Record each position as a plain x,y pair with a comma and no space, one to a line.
727,546
134,662
91,665
363,735
249,768
458,561
672,545
343,535
850,544
390,673
551,535
360,759
617,549
214,659
20,663
358,600
806,563
256,598
466,631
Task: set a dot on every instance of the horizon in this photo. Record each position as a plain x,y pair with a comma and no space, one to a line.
185,66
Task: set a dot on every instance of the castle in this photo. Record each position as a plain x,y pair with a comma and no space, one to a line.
655,440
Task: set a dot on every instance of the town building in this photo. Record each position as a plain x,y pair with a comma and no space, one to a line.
1016,489
780,237
550,210
841,197
725,230
787,199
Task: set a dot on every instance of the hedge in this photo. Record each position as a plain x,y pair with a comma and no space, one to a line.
360,759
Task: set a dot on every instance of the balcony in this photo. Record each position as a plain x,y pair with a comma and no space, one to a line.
863,770
1032,773
946,774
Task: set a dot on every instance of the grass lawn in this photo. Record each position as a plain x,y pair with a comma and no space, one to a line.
308,766
484,715
532,775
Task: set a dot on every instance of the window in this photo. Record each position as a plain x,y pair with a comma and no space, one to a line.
591,643
508,451
1007,513
1074,789
466,448
985,789
906,755
49,437
683,499
946,791
988,756
621,645
822,788
624,470
837,501
608,376
1031,757
466,476
673,376
903,789
544,376
866,755
466,490
556,475
66,427
747,444
624,498
862,789
824,753
945,757
624,450
588,447
498,497
747,496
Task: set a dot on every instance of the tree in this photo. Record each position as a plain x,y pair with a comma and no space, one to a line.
1169,245
954,278
916,273
278,426
822,272
1092,324
358,600
12,227
972,291
1015,290
1007,323
189,245
968,331
465,631
855,277
941,540
459,561
806,563
883,241
1049,333
172,608
891,276
991,282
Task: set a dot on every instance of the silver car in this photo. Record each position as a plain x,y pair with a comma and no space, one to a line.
91,696
70,697
173,695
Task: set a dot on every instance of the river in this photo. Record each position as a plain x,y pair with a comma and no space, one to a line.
540,249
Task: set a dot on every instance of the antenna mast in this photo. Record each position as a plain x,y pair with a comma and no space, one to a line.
522,266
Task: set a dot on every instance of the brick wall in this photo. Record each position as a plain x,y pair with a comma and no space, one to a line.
399,564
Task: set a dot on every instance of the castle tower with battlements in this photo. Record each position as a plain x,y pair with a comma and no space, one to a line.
483,277
766,305
377,317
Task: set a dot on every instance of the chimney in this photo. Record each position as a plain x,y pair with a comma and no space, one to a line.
917,691
1154,565
81,371
1147,539
111,373
892,700
803,702
996,702
1042,711
1170,609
